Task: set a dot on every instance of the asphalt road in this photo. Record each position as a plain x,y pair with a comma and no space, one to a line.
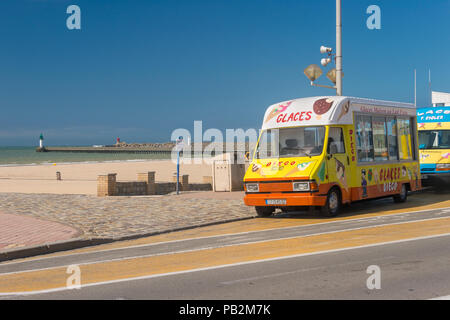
299,258
410,270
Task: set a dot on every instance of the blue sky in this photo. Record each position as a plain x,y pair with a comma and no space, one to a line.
140,69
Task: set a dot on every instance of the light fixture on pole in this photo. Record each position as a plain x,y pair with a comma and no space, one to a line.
325,61
335,75
331,75
312,72
324,50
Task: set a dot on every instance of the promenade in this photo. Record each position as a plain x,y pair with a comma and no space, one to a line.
41,219
34,219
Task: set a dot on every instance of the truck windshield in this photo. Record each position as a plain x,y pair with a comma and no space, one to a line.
291,142
434,139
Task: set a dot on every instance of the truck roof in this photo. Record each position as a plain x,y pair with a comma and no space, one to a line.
326,110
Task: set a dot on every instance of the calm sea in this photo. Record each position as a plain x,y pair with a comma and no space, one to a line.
28,155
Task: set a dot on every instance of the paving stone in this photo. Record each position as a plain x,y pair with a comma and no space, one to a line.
124,216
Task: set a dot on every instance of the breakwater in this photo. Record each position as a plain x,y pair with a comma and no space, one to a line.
163,148
103,150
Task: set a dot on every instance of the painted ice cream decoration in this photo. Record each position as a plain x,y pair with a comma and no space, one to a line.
300,167
257,168
345,109
322,106
444,156
277,110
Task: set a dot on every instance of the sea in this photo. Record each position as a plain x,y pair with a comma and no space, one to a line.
14,156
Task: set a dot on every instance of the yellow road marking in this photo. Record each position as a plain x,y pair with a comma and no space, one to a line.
146,266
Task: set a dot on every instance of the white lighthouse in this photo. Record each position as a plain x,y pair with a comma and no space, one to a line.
41,141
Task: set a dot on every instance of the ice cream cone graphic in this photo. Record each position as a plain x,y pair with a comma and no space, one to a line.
343,181
322,106
293,170
444,156
344,110
277,110
257,168
340,173
300,167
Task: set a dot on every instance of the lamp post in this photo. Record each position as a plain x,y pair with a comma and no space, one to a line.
179,148
313,71
338,49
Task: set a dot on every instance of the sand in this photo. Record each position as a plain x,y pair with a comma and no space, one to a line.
81,178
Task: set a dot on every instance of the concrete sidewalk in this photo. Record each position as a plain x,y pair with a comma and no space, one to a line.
33,224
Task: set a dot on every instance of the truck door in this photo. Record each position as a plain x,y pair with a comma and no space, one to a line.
338,161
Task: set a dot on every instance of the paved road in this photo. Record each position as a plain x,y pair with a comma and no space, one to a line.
255,259
410,270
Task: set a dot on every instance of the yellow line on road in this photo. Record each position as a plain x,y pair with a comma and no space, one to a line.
154,265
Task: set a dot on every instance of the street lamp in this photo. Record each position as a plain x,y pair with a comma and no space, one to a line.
335,75
313,72
332,75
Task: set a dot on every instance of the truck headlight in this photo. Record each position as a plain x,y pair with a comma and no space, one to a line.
443,166
252,187
300,186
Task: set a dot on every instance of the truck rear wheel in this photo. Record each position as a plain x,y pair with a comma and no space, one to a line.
333,204
402,196
264,211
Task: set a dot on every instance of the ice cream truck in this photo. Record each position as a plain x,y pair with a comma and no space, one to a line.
324,152
434,145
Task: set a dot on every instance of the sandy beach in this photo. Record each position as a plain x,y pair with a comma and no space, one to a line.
81,178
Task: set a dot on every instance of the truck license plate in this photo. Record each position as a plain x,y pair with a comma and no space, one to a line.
276,201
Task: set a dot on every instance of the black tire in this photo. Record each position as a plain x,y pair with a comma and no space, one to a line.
285,209
333,204
264,211
402,196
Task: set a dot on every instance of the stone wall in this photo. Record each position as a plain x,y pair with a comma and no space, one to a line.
146,185
133,188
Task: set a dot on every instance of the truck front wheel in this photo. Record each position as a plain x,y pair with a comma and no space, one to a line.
333,204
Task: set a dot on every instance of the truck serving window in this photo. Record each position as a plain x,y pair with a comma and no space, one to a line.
434,139
381,138
291,142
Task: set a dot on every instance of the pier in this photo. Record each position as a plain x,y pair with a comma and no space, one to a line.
104,150
165,148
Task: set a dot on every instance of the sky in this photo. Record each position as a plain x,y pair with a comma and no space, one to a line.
140,69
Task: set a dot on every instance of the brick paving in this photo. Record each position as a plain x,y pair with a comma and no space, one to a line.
17,231
113,217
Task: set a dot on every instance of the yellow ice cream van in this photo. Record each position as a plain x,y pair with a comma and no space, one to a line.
434,145
323,152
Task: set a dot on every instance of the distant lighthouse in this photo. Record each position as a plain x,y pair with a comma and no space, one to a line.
41,141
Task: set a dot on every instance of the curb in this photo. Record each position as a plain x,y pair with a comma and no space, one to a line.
78,243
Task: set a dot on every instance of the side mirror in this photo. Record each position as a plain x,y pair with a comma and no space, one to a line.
247,155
